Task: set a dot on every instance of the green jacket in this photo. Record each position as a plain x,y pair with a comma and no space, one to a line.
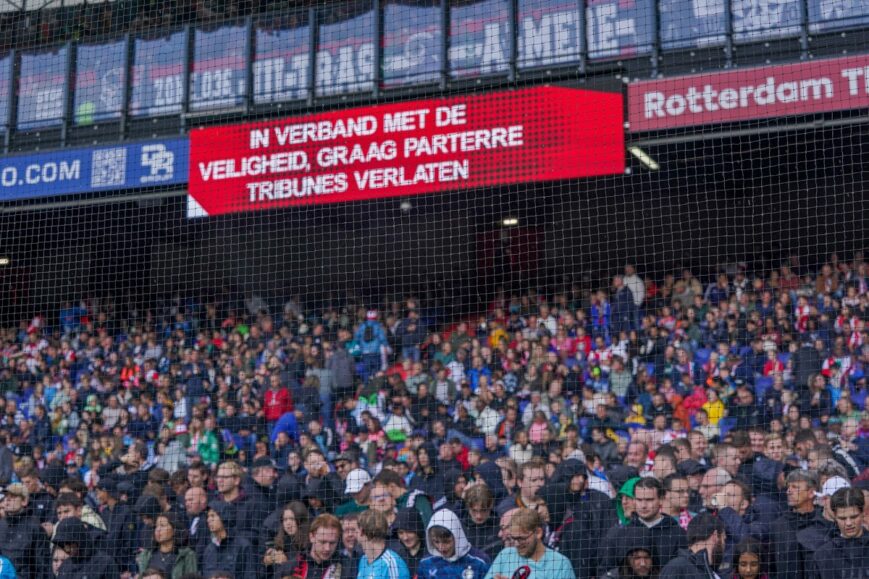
185,562
349,507
209,448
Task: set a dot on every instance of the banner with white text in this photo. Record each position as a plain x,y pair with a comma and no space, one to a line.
409,148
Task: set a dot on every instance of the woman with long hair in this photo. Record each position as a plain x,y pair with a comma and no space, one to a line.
168,554
290,540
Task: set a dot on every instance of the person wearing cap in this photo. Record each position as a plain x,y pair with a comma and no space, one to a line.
85,560
357,487
119,520
847,551
261,487
372,340
22,540
228,550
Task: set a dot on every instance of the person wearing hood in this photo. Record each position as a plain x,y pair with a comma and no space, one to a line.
666,534
845,555
479,520
624,500
455,482
700,560
227,551
788,555
578,514
637,560
429,479
411,532
72,536
451,555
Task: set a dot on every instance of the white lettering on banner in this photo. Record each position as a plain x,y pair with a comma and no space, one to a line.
254,165
216,87
279,79
556,38
443,172
49,104
764,18
168,91
325,130
350,70
695,100
297,187
36,174
391,149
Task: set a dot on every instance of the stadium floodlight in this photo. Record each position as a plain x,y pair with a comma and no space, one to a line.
510,221
644,158
4,261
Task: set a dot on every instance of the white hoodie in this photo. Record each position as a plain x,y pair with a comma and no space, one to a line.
450,521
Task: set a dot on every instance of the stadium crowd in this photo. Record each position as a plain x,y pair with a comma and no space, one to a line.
658,427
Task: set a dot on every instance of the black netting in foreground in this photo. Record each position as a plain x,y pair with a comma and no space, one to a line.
416,289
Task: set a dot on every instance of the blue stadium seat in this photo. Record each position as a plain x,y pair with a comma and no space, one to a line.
761,385
725,425
702,355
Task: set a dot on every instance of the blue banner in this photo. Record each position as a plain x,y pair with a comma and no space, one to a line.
827,15
41,89
412,42
219,68
549,33
756,20
99,82
5,90
619,28
479,38
158,75
280,66
692,23
135,165
345,52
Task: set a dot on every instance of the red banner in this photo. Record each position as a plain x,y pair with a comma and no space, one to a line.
746,94
409,148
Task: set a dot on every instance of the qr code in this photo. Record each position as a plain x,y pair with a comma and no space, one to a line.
109,167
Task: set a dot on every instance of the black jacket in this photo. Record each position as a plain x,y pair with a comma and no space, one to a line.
633,539
23,542
198,536
789,557
689,565
842,558
233,555
588,518
667,538
121,533
88,563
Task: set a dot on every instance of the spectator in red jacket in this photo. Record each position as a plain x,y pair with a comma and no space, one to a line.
278,400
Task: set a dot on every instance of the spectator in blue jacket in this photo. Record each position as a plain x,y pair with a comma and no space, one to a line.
371,338
451,554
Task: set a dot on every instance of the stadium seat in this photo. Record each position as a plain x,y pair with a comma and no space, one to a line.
725,425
